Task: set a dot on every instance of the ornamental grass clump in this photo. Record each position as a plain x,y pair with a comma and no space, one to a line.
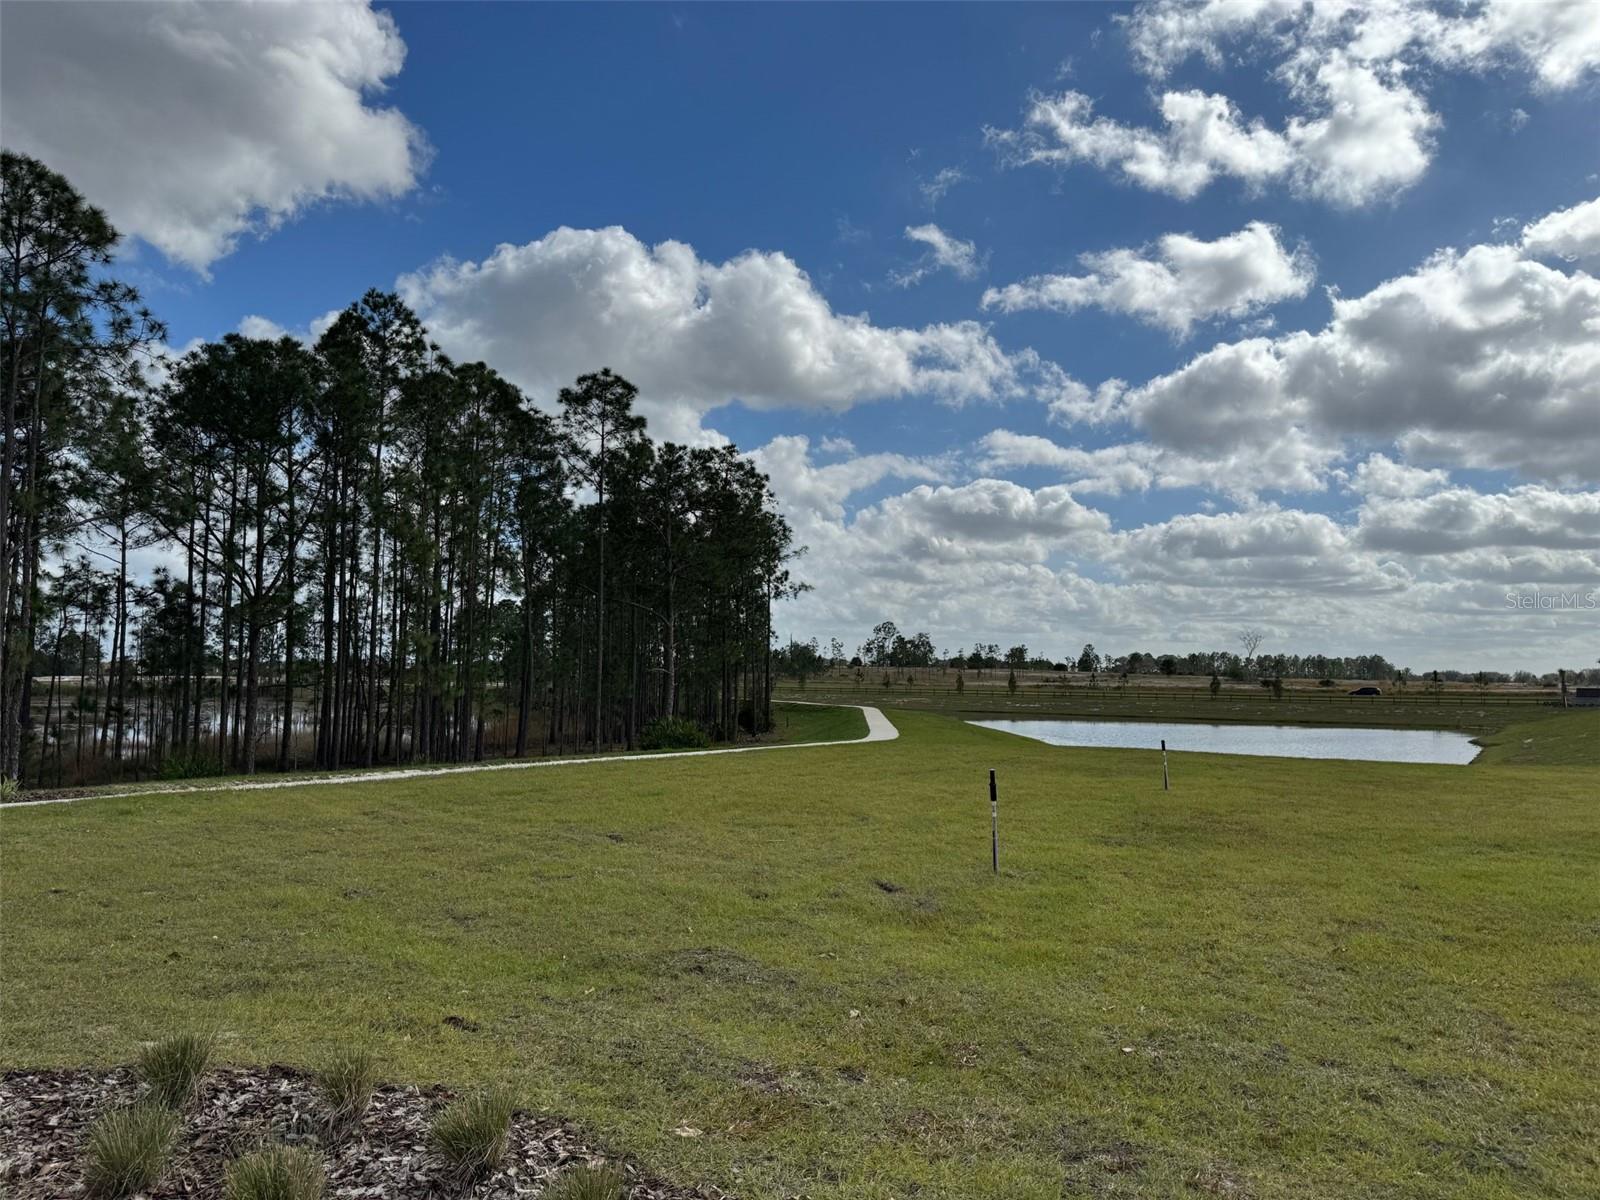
277,1173
587,1183
346,1082
128,1149
172,1067
470,1136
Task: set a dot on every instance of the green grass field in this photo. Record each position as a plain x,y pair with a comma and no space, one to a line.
1282,979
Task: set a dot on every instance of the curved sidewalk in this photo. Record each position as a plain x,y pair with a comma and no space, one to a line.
879,729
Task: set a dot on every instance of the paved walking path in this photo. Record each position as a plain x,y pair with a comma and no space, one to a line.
879,729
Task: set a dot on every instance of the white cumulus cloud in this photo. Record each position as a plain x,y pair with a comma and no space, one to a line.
695,335
1457,519
1204,137
1572,234
1482,358
1361,129
991,559
1381,476
194,123
1284,548
1556,41
1362,138
1287,462
982,519
1180,281
809,491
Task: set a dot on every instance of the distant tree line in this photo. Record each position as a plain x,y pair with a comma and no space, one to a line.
367,552
888,647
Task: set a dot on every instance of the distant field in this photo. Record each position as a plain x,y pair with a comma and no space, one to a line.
1154,681
1285,979
1472,711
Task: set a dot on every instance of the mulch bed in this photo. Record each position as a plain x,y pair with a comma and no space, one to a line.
45,1116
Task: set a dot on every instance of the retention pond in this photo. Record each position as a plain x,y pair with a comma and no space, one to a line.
1271,741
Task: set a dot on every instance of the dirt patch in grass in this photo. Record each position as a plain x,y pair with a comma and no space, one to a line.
764,1077
1219,1179
1087,1155
718,964
942,1135
45,1118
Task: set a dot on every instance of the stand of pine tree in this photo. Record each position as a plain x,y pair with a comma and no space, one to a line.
371,554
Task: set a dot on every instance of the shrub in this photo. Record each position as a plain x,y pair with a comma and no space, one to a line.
172,1067
754,719
471,1134
189,764
128,1149
346,1082
587,1183
277,1173
9,788
673,733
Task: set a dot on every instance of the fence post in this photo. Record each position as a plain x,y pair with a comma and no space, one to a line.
1166,780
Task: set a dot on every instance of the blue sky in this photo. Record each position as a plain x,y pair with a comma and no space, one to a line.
274,165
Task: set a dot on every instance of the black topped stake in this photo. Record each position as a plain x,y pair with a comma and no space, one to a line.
994,823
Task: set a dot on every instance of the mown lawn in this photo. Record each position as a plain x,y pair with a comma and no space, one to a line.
817,723
1569,738
1282,979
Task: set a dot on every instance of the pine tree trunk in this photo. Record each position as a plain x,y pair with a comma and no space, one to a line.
254,609
291,585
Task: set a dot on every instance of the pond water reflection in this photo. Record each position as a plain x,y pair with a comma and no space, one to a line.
1273,741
